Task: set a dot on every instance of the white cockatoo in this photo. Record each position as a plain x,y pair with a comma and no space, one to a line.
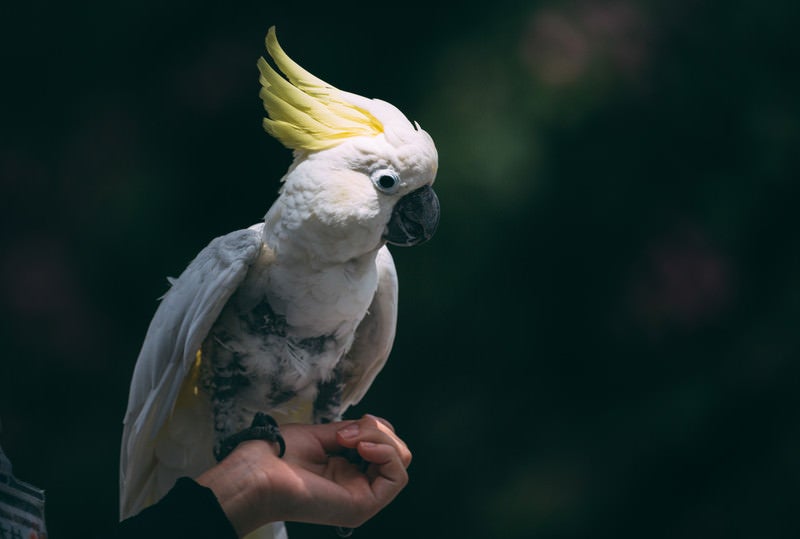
294,316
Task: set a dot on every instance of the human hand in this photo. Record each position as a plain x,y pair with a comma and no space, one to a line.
315,481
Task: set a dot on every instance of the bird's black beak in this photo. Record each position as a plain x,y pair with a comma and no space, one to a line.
414,219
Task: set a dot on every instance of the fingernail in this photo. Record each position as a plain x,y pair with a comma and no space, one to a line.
368,445
349,431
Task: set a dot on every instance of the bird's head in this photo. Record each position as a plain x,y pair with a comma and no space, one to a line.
360,164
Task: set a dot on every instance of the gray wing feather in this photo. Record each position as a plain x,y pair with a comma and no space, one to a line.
374,335
179,326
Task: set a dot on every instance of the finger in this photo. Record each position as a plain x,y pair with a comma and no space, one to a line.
370,429
381,420
324,433
390,475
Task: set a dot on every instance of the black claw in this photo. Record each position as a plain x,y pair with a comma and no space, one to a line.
264,427
344,532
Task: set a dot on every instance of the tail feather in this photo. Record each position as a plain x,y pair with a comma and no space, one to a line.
274,530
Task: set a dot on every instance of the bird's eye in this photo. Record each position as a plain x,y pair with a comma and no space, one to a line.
386,181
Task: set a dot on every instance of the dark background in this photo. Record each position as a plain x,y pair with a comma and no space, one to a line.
600,341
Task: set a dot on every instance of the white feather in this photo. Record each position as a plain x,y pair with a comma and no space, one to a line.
375,335
176,333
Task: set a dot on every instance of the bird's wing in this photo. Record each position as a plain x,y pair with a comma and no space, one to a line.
374,335
176,333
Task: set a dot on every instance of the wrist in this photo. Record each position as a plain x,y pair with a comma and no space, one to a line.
242,486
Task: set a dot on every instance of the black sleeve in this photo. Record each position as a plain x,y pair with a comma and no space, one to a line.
188,510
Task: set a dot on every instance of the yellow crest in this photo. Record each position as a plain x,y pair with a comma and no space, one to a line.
306,113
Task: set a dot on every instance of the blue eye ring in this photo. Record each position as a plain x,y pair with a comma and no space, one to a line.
386,180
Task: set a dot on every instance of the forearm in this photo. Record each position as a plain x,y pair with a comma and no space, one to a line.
188,510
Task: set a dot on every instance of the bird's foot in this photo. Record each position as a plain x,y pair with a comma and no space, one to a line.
264,427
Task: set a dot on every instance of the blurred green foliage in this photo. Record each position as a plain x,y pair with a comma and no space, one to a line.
601,341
